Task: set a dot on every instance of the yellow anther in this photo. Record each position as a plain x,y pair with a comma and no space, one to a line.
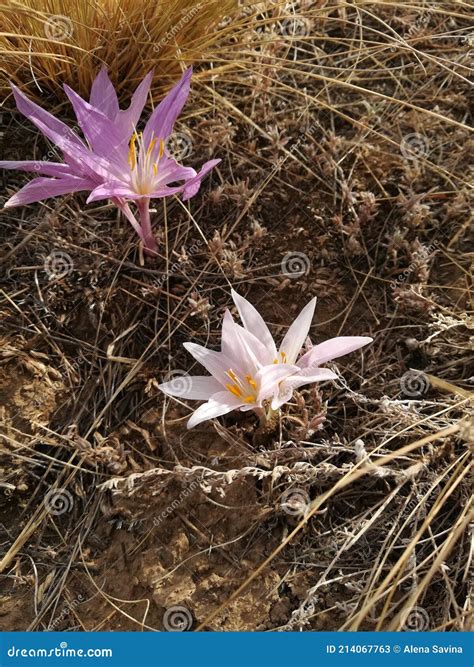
162,149
151,147
275,361
155,169
283,357
234,390
251,381
249,399
132,155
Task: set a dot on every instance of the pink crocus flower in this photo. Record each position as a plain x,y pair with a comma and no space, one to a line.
263,347
115,162
238,381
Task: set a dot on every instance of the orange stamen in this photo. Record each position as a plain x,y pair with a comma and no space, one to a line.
234,390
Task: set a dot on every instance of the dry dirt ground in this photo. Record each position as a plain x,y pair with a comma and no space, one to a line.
345,174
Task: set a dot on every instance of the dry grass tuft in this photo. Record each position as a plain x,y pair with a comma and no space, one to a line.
52,42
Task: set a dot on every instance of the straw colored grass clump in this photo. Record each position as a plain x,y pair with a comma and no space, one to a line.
55,41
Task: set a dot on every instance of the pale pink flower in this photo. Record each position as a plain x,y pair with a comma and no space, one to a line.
250,370
238,381
263,347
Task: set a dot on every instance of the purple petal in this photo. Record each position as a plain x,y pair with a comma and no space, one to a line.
102,135
191,187
103,96
43,188
35,113
331,349
219,404
83,161
38,166
127,120
170,171
160,124
112,189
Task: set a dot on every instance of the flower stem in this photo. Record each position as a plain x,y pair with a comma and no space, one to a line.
150,246
270,413
262,415
265,415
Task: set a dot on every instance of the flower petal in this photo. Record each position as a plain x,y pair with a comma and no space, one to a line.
101,133
172,175
261,353
127,120
296,334
291,383
199,387
170,171
38,166
332,348
254,322
214,362
233,346
35,113
82,160
269,377
160,124
111,189
191,187
43,188
219,404
103,96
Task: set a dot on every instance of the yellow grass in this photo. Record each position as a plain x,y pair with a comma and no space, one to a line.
49,42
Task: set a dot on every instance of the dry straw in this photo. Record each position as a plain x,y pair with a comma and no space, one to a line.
55,41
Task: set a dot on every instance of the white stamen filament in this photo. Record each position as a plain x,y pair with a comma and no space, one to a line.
144,162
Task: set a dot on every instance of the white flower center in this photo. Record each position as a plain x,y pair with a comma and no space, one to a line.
144,163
